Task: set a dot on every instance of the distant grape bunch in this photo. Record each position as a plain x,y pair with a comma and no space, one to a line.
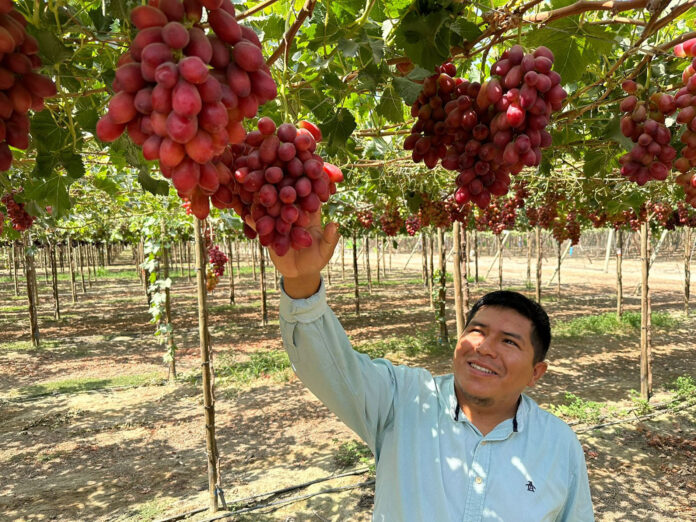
182,93
21,88
685,100
365,218
391,221
279,180
487,132
644,123
21,220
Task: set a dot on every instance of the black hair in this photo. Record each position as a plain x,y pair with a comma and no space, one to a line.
541,327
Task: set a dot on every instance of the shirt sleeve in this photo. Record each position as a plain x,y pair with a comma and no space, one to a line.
360,391
578,506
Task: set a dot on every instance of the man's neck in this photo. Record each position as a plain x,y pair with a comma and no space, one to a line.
486,418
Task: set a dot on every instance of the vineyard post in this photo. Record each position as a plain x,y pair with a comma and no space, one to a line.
558,268
15,264
529,258
367,263
188,258
442,318
500,261
82,267
610,237
465,248
384,261
687,268
54,280
237,257
458,295
539,249
424,259
355,273
377,247
88,256
262,278
343,258
206,368
253,261
645,391
71,256
476,257
61,251
44,262
30,274
231,268
619,277
171,348
431,279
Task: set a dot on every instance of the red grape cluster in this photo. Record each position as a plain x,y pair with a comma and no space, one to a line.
685,217
186,205
181,94
413,225
685,100
598,219
21,220
664,215
488,131
498,216
434,212
365,218
217,259
278,180
391,221
651,156
460,213
566,227
545,214
21,88
629,218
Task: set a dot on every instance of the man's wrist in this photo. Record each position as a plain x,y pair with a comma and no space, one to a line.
302,287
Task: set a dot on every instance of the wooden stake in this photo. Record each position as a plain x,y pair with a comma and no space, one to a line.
262,274
619,276
230,265
458,294
538,264
355,273
168,301
54,281
367,263
30,274
645,391
206,368
687,268
442,303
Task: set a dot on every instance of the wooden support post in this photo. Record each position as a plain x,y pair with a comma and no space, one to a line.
645,391
442,303
457,264
619,276
539,249
206,369
355,273
30,275
262,277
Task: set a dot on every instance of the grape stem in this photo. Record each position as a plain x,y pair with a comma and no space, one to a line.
306,11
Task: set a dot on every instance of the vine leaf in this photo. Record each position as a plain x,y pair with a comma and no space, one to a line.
338,128
407,89
425,39
390,106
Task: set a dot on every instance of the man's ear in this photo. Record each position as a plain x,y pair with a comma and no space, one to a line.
539,370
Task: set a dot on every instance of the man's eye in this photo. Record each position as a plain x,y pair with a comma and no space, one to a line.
513,343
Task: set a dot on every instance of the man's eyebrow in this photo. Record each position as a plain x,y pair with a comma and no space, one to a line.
514,335
509,334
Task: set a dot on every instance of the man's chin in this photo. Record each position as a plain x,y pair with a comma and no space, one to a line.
473,398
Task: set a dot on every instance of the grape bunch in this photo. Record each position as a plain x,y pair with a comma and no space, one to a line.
217,260
498,216
413,225
566,227
365,218
279,180
429,137
20,218
186,205
664,215
458,212
685,100
21,87
545,213
181,94
598,219
652,155
434,212
391,221
488,131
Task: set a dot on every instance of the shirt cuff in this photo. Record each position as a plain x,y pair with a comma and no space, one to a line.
303,310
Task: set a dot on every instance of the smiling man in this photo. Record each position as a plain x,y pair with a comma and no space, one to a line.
466,446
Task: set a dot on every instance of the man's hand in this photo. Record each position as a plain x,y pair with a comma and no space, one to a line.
301,268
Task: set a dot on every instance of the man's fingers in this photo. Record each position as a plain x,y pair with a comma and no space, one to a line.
329,240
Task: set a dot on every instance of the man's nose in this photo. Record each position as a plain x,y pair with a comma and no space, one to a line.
485,346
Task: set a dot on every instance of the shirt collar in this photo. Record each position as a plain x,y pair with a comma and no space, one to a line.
519,421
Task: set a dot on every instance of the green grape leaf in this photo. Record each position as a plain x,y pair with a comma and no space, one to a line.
407,89
391,106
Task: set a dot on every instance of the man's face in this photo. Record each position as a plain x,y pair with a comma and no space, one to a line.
494,358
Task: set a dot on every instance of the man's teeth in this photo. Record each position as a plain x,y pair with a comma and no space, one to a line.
481,368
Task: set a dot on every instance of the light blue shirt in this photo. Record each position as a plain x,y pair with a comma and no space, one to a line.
432,463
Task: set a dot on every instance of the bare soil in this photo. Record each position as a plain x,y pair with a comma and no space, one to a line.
138,453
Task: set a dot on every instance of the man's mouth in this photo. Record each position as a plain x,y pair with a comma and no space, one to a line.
483,369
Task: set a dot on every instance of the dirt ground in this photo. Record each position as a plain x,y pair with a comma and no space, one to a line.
138,453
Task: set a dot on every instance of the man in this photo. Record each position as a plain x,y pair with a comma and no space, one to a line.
465,446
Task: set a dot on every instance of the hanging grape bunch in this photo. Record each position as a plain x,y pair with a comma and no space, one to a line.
365,218
21,87
685,100
413,225
651,156
279,180
434,212
492,130
20,219
391,221
181,93
216,267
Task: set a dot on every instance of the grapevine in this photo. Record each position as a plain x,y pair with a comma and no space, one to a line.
20,218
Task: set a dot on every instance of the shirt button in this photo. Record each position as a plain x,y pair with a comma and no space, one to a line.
483,443
479,480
